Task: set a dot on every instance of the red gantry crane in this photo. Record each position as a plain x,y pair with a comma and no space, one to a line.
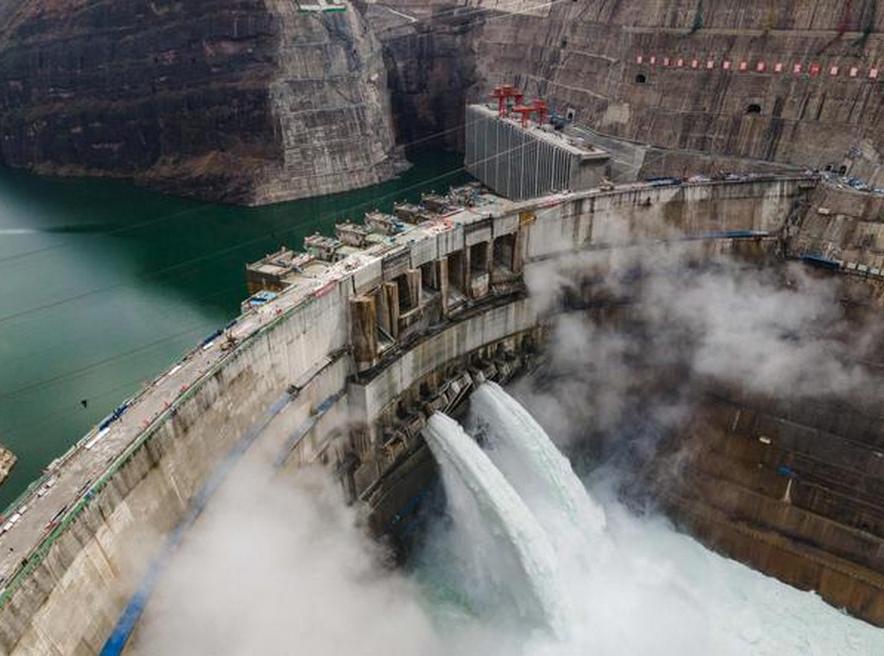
507,93
503,95
538,106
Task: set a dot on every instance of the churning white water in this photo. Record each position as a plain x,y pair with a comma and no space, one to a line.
508,549
279,566
652,591
529,460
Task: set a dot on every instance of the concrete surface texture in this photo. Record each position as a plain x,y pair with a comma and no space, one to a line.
524,161
116,523
844,224
268,103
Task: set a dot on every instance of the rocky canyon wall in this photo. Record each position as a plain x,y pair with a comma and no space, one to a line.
246,101
640,70
586,55
258,101
429,51
330,101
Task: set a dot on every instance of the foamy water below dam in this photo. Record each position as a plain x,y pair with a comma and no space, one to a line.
542,563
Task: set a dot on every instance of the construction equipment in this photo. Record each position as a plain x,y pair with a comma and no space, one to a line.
538,106
504,94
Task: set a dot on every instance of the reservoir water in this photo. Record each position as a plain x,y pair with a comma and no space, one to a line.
103,285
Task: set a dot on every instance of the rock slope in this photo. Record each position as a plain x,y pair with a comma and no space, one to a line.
256,101
584,55
246,101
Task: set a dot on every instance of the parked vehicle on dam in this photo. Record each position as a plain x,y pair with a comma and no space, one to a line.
664,181
12,521
44,489
118,412
209,341
211,338
257,300
106,422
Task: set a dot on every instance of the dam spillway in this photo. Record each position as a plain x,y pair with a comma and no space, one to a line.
603,574
379,337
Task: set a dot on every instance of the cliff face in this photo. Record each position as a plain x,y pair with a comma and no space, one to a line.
586,55
429,52
255,101
330,105
237,100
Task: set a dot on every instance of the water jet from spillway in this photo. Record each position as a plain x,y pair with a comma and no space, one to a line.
510,548
621,584
527,457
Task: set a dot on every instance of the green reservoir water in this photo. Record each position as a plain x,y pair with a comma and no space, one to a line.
103,285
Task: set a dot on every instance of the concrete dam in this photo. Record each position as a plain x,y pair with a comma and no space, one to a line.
342,354
650,320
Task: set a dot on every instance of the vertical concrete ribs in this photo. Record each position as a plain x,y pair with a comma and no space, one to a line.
525,161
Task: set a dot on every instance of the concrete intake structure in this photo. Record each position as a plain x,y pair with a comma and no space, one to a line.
366,344
525,162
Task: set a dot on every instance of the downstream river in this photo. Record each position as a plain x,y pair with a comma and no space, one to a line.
103,285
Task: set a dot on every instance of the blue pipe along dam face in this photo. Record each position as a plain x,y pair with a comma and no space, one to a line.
129,618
